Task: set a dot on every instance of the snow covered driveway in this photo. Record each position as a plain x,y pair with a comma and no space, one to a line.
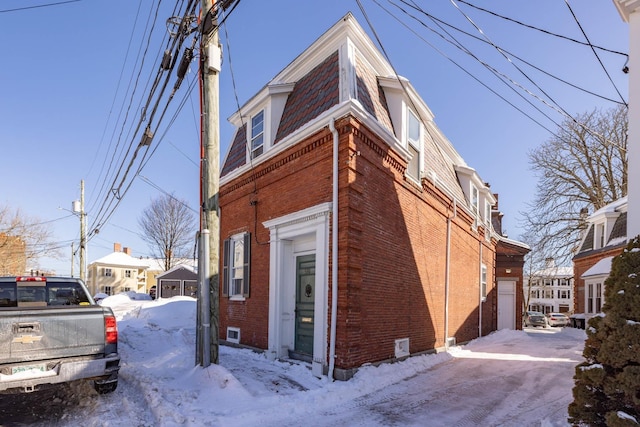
509,378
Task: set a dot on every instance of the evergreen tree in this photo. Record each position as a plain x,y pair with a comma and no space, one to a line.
607,383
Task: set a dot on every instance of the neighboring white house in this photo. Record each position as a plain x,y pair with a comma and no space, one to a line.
121,272
117,272
550,289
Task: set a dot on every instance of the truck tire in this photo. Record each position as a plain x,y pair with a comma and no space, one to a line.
104,388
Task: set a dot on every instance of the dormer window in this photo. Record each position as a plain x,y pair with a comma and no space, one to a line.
474,199
257,134
600,236
487,212
413,145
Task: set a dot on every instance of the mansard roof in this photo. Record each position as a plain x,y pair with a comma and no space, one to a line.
343,73
616,214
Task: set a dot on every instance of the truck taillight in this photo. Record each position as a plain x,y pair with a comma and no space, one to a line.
111,330
31,279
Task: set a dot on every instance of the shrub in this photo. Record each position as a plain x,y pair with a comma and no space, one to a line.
607,383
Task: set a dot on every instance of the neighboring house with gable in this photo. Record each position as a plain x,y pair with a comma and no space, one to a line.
117,272
121,272
605,237
352,231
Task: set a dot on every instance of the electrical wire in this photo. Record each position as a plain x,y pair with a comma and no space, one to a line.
38,6
504,77
594,52
542,30
112,198
452,40
480,39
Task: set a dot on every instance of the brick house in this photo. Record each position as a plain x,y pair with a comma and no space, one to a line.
352,231
604,237
509,274
13,255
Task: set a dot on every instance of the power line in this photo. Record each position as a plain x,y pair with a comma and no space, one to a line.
594,52
542,30
504,78
39,6
461,47
482,40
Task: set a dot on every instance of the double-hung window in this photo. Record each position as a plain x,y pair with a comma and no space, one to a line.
257,134
483,282
413,145
594,297
236,260
475,199
107,272
487,212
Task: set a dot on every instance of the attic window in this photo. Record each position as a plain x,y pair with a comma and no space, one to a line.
413,145
474,198
600,236
487,212
257,134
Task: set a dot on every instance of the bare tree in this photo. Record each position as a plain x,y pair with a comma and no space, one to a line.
23,241
168,227
580,170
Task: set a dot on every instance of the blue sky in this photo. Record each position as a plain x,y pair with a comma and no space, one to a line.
66,70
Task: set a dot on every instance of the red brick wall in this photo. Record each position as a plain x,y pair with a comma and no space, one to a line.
392,240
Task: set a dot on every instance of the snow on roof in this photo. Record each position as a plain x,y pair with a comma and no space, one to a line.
600,268
177,267
611,207
122,259
554,272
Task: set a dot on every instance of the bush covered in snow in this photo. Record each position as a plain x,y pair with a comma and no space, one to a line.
607,383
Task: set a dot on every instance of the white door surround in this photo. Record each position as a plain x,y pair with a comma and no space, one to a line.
299,233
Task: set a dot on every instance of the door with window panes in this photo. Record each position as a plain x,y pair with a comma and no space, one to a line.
305,303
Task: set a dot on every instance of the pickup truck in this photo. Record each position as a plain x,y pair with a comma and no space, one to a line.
52,332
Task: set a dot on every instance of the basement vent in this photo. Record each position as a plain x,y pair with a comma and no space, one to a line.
233,335
451,342
402,347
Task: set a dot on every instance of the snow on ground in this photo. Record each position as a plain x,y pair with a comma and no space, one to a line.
509,378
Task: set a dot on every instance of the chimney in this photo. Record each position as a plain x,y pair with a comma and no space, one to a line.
550,262
117,247
127,251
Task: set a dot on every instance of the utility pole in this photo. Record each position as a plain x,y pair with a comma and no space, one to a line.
209,72
83,235
78,208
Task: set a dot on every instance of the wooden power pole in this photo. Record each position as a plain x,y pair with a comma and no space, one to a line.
210,69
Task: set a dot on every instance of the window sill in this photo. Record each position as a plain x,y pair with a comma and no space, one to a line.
237,298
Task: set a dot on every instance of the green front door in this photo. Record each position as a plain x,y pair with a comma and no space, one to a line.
305,299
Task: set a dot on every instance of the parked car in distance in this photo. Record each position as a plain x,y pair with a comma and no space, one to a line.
534,318
558,319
